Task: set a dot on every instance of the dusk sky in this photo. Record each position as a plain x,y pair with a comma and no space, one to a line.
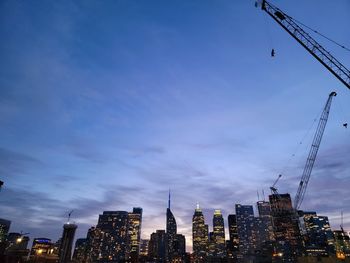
105,105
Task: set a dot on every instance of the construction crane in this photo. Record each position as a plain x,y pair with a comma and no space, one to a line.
310,44
273,187
313,153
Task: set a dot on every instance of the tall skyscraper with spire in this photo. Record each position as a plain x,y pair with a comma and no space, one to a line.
171,231
199,236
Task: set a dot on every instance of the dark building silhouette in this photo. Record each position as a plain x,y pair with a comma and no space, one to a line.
171,231
79,255
199,236
144,250
157,247
4,229
65,252
232,244
16,250
134,234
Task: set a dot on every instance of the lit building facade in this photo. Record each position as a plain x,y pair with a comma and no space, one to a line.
112,232
342,244
245,229
144,249
199,236
233,242
134,234
286,227
318,238
219,235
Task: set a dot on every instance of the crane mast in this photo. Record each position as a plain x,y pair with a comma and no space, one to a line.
313,153
310,44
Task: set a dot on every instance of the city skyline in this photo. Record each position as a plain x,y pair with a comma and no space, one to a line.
103,107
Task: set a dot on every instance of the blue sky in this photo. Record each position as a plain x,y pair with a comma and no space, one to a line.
105,105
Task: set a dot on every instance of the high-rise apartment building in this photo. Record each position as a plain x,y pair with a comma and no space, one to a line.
93,244
199,236
264,227
113,227
65,251
134,234
318,237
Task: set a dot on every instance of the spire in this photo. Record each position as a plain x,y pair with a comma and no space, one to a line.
197,206
169,199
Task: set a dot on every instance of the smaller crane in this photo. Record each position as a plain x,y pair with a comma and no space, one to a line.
273,187
69,215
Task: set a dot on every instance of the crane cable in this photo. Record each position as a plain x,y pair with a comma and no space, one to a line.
322,35
296,150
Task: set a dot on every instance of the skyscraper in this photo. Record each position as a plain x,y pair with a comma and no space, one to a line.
219,234
171,231
113,229
134,234
233,243
286,226
157,247
264,227
93,243
245,229
199,236
65,252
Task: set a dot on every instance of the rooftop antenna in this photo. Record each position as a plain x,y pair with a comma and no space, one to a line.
197,206
69,215
169,199
263,193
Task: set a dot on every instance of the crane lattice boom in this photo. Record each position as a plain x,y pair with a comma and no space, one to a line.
313,153
310,44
